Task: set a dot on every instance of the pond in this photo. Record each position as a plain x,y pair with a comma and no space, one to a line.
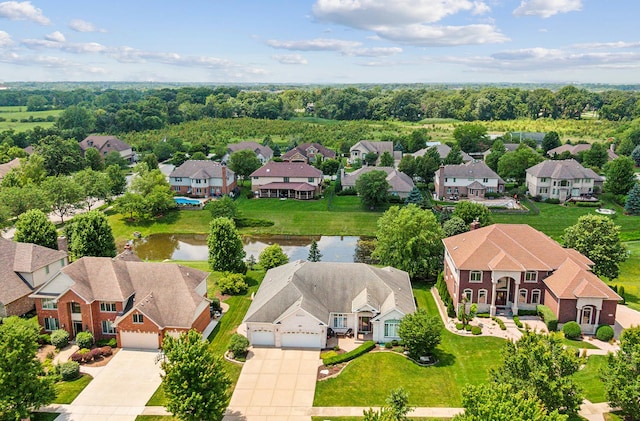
194,246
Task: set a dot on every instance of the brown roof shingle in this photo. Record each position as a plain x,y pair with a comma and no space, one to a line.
200,168
287,169
99,142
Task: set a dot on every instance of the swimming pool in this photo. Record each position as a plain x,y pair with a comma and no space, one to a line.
186,201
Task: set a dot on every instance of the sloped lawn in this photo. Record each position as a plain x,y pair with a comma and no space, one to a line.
589,378
68,391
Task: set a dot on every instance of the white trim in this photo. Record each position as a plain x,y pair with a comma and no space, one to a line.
475,272
526,295
469,296
533,291
486,294
531,281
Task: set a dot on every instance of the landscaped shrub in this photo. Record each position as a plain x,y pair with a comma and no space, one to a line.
348,356
232,284
96,353
621,294
604,333
517,321
44,339
552,201
441,286
476,330
238,345
59,338
215,304
76,357
107,351
499,322
467,328
394,342
522,312
483,315
350,191
107,342
588,204
388,345
84,339
571,330
85,355
69,370
459,326
549,318
243,222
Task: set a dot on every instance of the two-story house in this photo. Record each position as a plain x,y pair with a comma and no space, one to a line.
308,153
473,179
562,180
508,267
106,144
294,180
202,178
443,150
138,303
400,184
364,147
264,153
24,267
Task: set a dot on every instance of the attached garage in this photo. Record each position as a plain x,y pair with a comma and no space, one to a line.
262,338
139,340
301,340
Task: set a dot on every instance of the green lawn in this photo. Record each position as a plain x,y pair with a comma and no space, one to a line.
68,391
589,378
18,113
578,344
362,418
463,360
44,416
630,276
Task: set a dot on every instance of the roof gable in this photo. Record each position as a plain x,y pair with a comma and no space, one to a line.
287,169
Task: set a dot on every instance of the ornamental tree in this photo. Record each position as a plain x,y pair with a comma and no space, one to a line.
454,226
620,175
414,197
226,251
89,234
272,256
514,164
550,141
598,238
386,160
632,204
420,333
470,211
314,252
23,388
471,137
244,162
195,381
63,193
35,227
621,376
223,208
373,188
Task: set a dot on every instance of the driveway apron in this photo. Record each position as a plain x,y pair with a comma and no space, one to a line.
275,384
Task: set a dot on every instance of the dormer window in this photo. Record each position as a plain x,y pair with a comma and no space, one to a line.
138,318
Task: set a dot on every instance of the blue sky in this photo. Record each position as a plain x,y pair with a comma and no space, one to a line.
321,41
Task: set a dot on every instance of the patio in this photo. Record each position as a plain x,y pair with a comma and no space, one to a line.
348,343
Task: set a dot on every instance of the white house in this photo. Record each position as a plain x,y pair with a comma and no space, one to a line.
473,179
202,178
299,302
562,180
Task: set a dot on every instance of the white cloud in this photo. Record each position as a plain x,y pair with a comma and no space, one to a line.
56,36
80,25
318,44
429,35
5,39
547,8
372,52
58,43
39,60
617,44
289,59
14,10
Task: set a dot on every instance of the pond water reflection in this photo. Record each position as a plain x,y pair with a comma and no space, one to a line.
194,246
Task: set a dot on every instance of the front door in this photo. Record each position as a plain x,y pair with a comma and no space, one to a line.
365,325
77,328
501,298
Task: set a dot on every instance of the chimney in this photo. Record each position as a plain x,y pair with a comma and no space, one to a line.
63,244
224,180
474,225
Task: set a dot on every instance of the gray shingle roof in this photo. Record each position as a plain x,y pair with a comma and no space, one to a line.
8,166
322,287
377,147
287,169
302,150
99,142
443,151
203,169
252,146
472,169
566,169
572,149
399,181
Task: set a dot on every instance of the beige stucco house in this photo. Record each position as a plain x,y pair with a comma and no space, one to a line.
562,180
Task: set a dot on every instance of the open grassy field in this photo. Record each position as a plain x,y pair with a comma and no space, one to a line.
11,118
630,276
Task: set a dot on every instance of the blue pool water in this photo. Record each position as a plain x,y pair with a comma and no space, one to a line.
185,201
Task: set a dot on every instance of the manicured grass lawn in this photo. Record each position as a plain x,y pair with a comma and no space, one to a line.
44,416
630,276
362,418
68,391
589,378
578,344
463,360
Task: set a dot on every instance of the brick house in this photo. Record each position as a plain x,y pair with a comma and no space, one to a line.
106,144
202,178
472,179
508,267
138,303
308,153
295,180
24,267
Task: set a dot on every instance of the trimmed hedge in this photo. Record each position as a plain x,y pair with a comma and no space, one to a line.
604,333
348,356
441,286
571,330
69,370
459,326
517,321
499,322
549,318
107,342
522,312
476,330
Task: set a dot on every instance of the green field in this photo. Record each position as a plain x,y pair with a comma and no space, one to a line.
630,276
11,118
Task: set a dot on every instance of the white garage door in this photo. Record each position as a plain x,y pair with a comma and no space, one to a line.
139,340
262,338
300,340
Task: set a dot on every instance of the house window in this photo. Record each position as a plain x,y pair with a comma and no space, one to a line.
178,179
310,179
586,316
468,294
106,307
75,308
51,324
49,304
535,296
340,320
475,276
446,179
485,180
490,190
522,296
531,276
564,183
554,191
138,318
61,263
46,269
391,328
543,180
176,188
286,179
448,190
543,190
454,180
107,328
482,296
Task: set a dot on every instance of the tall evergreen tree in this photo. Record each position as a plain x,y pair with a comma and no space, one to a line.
454,157
314,252
632,205
414,197
35,227
386,160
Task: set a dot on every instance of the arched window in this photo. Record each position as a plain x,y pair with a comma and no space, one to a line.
535,296
482,296
468,294
522,296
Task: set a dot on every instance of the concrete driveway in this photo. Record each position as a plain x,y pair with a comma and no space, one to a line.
119,391
275,384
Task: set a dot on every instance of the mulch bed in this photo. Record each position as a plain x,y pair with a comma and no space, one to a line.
101,361
333,370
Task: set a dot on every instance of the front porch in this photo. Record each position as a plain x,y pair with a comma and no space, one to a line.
348,343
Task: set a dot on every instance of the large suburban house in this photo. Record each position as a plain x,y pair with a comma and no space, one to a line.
562,180
8,166
508,267
473,179
106,144
299,302
363,147
443,150
138,303
24,267
294,180
202,178
400,184
264,153
308,153
574,150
